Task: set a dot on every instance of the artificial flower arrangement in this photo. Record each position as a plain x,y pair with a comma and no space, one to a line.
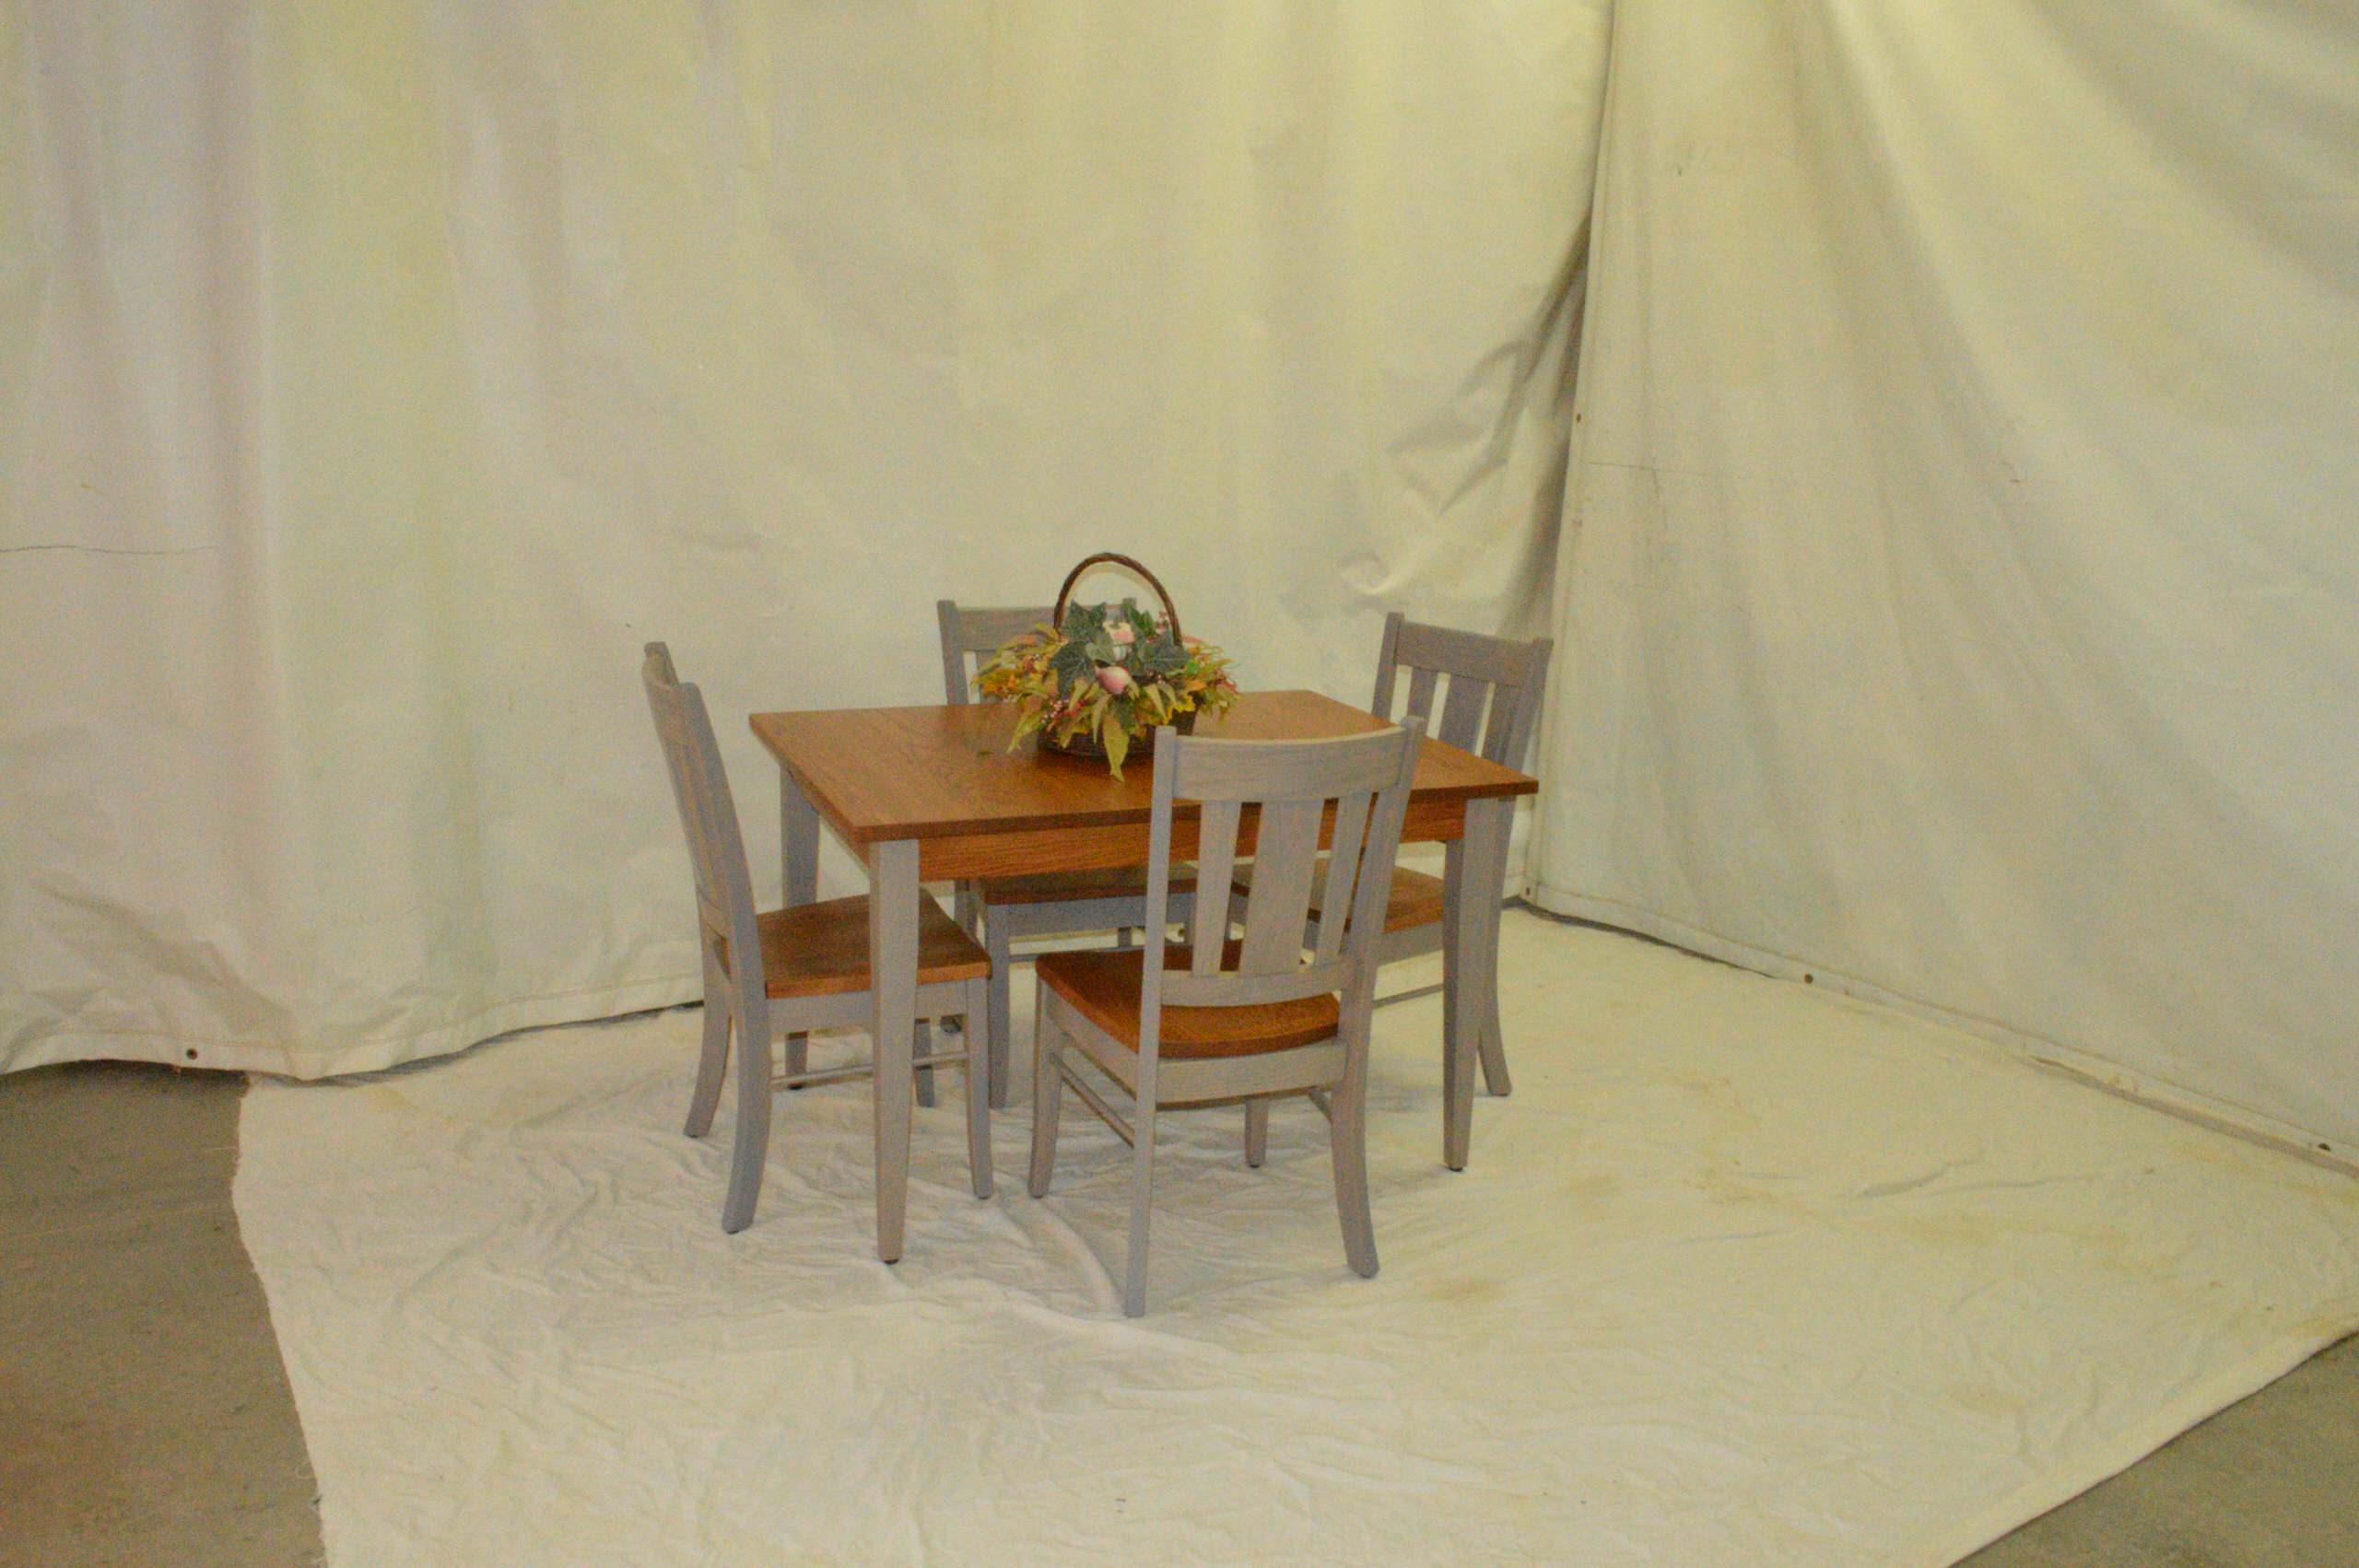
1100,676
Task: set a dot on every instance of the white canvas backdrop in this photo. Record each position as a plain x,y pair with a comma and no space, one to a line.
1963,560
378,375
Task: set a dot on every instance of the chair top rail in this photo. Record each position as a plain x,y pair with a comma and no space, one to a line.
1210,770
1500,660
978,629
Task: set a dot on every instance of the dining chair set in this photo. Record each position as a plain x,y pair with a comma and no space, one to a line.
1269,844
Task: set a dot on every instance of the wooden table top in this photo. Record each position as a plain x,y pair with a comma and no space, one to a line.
943,772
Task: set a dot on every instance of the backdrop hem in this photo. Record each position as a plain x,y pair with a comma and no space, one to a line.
2081,1065
312,1063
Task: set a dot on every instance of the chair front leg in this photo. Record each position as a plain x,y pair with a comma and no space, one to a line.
1048,1096
1257,1131
751,1146
979,1088
714,1064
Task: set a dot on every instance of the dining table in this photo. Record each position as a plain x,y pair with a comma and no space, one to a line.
937,793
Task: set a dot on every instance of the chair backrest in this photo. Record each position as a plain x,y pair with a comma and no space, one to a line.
1492,672
1360,782
707,817
978,631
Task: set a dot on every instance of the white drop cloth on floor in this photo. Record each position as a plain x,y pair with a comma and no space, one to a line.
1743,1273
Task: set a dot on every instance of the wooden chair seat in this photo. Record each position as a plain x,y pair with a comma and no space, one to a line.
822,949
1074,887
1415,899
1103,986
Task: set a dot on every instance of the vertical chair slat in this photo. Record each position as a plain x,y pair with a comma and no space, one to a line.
1505,707
1285,853
1422,680
1216,865
1342,868
1462,711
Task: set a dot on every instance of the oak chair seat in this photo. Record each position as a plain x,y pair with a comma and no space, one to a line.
1069,888
1416,899
822,949
1103,987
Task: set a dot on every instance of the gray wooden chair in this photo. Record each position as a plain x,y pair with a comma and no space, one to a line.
791,970
1490,689
1002,910
1217,1021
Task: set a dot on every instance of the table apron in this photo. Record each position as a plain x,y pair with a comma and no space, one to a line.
1124,844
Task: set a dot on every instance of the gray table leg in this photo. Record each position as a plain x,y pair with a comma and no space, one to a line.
1488,825
893,993
798,838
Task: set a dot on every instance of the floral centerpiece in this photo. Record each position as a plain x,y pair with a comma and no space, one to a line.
1103,675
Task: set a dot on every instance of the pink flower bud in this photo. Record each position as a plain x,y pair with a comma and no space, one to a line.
1122,633
1114,678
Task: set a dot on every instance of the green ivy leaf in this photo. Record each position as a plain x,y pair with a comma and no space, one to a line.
1072,666
1163,656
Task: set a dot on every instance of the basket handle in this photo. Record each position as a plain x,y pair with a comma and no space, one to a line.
1105,557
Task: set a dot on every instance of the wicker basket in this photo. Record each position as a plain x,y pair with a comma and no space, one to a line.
1089,745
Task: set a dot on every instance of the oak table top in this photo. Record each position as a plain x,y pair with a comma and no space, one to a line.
944,776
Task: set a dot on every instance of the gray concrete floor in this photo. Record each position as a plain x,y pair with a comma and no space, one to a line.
144,1416
2265,1483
